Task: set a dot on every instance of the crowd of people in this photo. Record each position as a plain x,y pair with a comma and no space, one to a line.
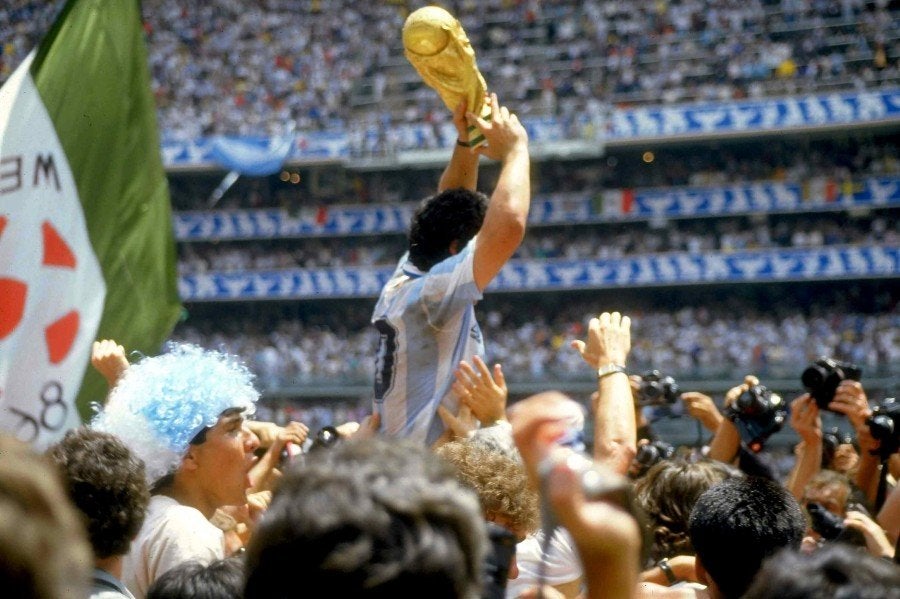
532,345
790,160
230,67
572,243
177,486
174,490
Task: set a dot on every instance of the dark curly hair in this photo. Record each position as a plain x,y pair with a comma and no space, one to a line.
667,494
451,215
106,483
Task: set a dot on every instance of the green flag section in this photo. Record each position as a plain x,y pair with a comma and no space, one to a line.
86,246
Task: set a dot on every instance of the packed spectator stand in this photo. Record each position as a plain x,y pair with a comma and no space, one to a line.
226,67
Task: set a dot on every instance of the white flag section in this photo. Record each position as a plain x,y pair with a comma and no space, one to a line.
51,287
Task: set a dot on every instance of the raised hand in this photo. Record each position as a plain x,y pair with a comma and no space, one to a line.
483,392
877,541
805,419
850,399
108,357
457,425
504,133
608,340
701,407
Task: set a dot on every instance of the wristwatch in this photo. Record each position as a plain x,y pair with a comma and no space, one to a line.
609,369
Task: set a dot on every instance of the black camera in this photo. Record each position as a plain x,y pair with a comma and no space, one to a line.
822,377
657,390
758,413
328,436
831,440
649,455
828,525
884,424
497,561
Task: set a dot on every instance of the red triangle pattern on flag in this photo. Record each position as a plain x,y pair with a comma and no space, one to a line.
12,304
60,335
56,251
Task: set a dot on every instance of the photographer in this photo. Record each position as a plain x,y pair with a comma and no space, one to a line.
807,424
850,400
727,441
751,413
702,408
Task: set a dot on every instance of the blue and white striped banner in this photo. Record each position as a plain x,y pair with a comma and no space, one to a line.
660,269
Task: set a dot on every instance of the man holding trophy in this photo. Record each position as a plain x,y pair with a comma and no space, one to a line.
458,239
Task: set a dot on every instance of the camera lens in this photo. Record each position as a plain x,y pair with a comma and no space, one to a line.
813,377
881,426
651,390
752,401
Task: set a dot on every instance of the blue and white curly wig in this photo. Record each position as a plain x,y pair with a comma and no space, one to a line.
162,402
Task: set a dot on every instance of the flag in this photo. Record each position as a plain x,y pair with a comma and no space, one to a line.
86,245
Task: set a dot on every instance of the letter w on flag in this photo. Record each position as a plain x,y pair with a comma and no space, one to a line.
86,246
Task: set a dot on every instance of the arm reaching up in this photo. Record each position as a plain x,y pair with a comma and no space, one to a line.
606,350
504,223
108,357
462,170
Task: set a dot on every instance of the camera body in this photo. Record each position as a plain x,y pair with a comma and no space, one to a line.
496,562
828,525
328,436
822,377
758,413
831,440
657,389
884,424
649,455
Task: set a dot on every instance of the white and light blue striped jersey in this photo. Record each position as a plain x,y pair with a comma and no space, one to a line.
427,326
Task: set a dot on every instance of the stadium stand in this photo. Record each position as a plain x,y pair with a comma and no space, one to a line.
736,180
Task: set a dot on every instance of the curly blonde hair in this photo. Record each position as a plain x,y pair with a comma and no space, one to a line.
499,479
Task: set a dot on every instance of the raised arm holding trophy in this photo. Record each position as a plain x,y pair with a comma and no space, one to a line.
436,45
458,241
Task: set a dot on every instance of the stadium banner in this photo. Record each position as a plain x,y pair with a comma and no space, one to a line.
311,222
86,245
207,151
562,208
621,126
754,115
827,263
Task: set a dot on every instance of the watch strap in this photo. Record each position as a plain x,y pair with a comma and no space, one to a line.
609,369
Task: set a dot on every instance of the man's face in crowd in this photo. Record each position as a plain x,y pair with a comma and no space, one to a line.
224,459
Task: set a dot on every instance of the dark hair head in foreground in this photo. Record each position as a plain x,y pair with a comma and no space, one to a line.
221,579
106,483
737,524
44,553
833,570
370,518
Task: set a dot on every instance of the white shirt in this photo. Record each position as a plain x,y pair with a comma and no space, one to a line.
563,563
172,534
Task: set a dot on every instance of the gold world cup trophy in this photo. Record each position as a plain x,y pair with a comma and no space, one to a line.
436,45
